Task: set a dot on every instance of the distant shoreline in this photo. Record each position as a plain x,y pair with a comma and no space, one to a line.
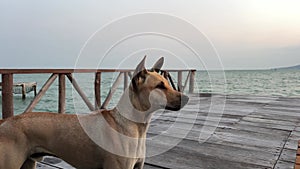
297,67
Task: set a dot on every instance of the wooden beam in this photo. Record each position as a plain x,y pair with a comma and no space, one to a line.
61,93
125,80
41,92
185,82
80,92
7,96
97,88
179,80
192,81
67,71
111,91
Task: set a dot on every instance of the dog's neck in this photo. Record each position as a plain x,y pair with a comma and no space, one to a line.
125,113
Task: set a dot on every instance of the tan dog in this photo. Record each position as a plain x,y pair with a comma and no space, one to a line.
104,139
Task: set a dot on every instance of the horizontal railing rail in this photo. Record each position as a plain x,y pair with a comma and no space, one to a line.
61,74
38,71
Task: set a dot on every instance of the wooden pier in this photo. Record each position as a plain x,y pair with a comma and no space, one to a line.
23,88
255,132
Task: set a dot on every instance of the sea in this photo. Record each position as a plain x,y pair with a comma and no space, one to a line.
284,83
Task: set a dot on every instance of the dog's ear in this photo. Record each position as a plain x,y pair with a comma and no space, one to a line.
140,68
157,66
139,73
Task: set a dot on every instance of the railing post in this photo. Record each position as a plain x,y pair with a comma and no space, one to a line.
125,80
192,81
97,87
7,96
179,80
61,93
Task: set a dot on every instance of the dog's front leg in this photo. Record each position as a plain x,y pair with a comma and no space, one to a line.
139,164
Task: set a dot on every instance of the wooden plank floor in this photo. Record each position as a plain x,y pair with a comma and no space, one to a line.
253,132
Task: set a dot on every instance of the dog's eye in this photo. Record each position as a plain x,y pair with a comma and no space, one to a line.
161,85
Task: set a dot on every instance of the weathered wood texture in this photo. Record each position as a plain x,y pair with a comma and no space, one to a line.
125,86
179,81
62,93
192,80
7,95
97,88
252,133
297,163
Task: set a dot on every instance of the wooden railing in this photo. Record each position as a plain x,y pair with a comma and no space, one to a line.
61,74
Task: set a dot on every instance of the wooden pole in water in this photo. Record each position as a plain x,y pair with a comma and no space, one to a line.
34,89
23,91
7,96
61,93
192,81
97,88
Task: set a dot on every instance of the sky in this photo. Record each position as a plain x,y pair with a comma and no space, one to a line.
247,34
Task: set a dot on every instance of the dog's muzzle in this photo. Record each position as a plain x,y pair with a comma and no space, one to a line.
178,104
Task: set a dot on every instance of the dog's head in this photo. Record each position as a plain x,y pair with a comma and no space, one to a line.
150,91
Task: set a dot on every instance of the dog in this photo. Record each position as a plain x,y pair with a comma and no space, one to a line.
104,139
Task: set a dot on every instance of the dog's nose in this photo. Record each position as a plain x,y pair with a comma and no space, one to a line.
184,100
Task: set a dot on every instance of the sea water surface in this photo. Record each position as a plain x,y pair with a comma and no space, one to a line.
242,82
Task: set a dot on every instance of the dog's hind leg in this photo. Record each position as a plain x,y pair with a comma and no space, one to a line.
29,164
